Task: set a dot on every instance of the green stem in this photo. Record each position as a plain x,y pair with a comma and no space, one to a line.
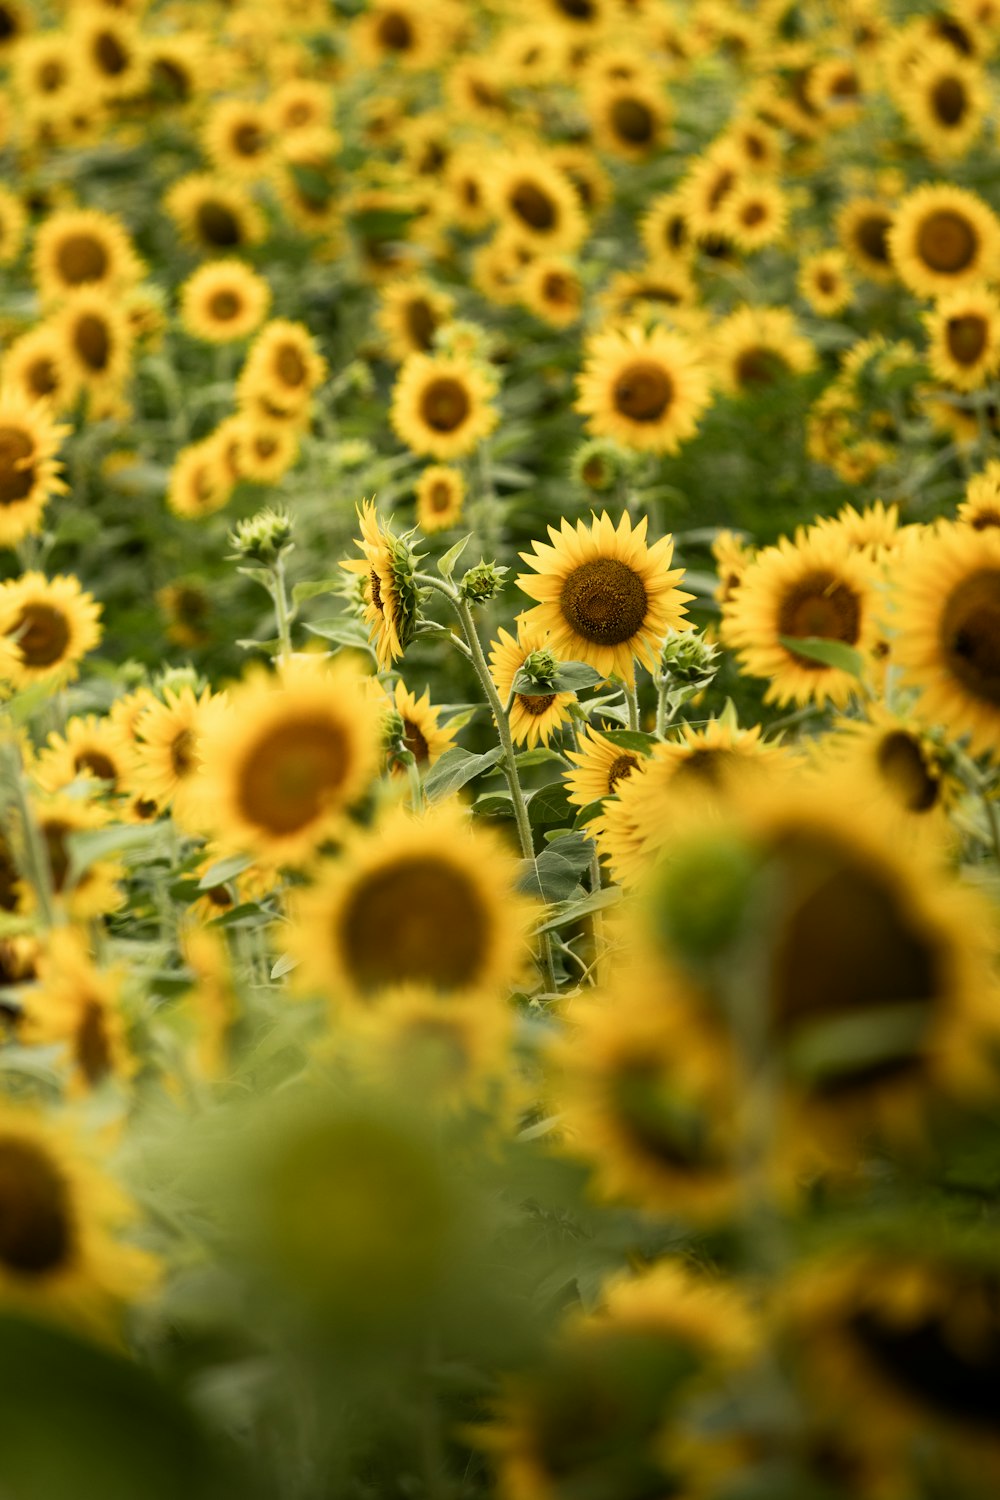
36,856
993,820
281,610
632,699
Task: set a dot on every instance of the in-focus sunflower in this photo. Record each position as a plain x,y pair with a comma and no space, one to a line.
13,222
60,1256
285,756
89,746
863,226
644,389
284,364
53,624
422,735
981,507
757,346
389,593
945,99
628,117
533,720
214,214
440,497
441,405
948,631
79,1007
96,338
815,587
82,247
825,283
427,901
224,300
237,138
168,752
943,237
604,596
537,200
964,329
601,766
29,472
410,313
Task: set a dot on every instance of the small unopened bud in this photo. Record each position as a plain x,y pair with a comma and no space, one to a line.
598,465
541,667
688,657
262,538
483,582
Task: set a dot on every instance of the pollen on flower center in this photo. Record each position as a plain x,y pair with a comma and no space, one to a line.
604,601
820,605
643,391
947,242
620,769
42,634
35,1226
536,706
970,634
291,774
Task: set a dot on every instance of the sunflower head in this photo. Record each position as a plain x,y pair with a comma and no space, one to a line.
391,596
644,390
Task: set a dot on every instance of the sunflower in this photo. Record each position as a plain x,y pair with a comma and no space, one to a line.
285,365
188,608
644,389
708,184
410,313
466,184
60,1256
96,341
816,587
390,594
863,226
646,1093
440,497
422,735
441,405
75,1005
602,765
603,595
46,74
552,289
452,1056
981,507
533,720
942,238
33,367
754,214
732,558
214,214
284,758
948,626
110,50
97,748
758,346
410,34
427,901
825,283
534,198
665,231
237,138
874,530
175,67
629,117
53,624
13,221
81,247
945,99
223,301
664,289
96,890
904,764
299,104
29,472
200,480
964,329
590,182
168,751
307,179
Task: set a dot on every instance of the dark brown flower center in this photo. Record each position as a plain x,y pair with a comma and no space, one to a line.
376,587
643,391
760,366
533,205
604,601
183,753
559,289
620,769
970,634
50,76
440,496
536,706
421,323
656,1120
416,742
985,518
42,633
98,764
907,772
217,225
395,32
820,604
947,242
290,365
632,121
111,57
81,258
224,306
17,472
444,404
248,139
949,101
42,378
292,774
419,919
36,1228
92,1045
966,338
871,234
752,214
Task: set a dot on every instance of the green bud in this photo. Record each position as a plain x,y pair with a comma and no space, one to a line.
541,667
483,582
688,657
262,538
699,900
358,377
598,465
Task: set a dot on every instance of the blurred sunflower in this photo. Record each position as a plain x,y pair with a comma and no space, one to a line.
757,346
34,368
83,247
601,766
945,98
423,736
13,222
964,330
200,480
942,238
754,214
390,594
440,497
551,288
533,720
307,179
629,117
411,34
92,892
89,746
110,50
441,405
825,283
981,507
96,340
223,301
237,138
645,390
410,313
168,751
78,1006
444,891
284,365
863,226
532,196
665,231
604,596
29,471
299,104
53,624
214,214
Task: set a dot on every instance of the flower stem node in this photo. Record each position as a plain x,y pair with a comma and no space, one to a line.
262,538
483,582
699,899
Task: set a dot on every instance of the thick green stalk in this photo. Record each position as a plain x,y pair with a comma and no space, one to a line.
281,609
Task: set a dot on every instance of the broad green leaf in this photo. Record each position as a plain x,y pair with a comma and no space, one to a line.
830,653
572,911
312,589
632,739
555,873
224,870
549,804
89,845
455,769
569,677
284,965
343,630
701,584
269,648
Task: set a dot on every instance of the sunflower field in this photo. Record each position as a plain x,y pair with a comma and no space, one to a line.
500,750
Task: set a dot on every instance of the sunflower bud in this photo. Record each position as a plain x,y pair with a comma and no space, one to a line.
697,906
541,667
598,465
483,582
262,538
689,658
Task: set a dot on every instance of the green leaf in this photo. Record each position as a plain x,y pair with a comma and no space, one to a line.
343,630
269,648
569,677
284,965
703,585
89,845
555,873
311,590
572,911
24,705
247,914
849,1044
446,565
455,768
586,814
830,653
631,739
548,805
494,805
224,870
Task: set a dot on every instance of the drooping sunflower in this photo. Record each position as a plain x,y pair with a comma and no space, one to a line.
815,587
964,329
79,1007
29,472
945,99
223,301
441,405
863,226
825,283
533,197
601,766
237,138
757,346
427,901
410,313
390,594
981,507
96,341
440,496
533,720
82,247
13,222
89,746
285,756
942,238
604,596
284,364
214,214
168,752
60,1255
646,390
53,624
948,631
423,736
